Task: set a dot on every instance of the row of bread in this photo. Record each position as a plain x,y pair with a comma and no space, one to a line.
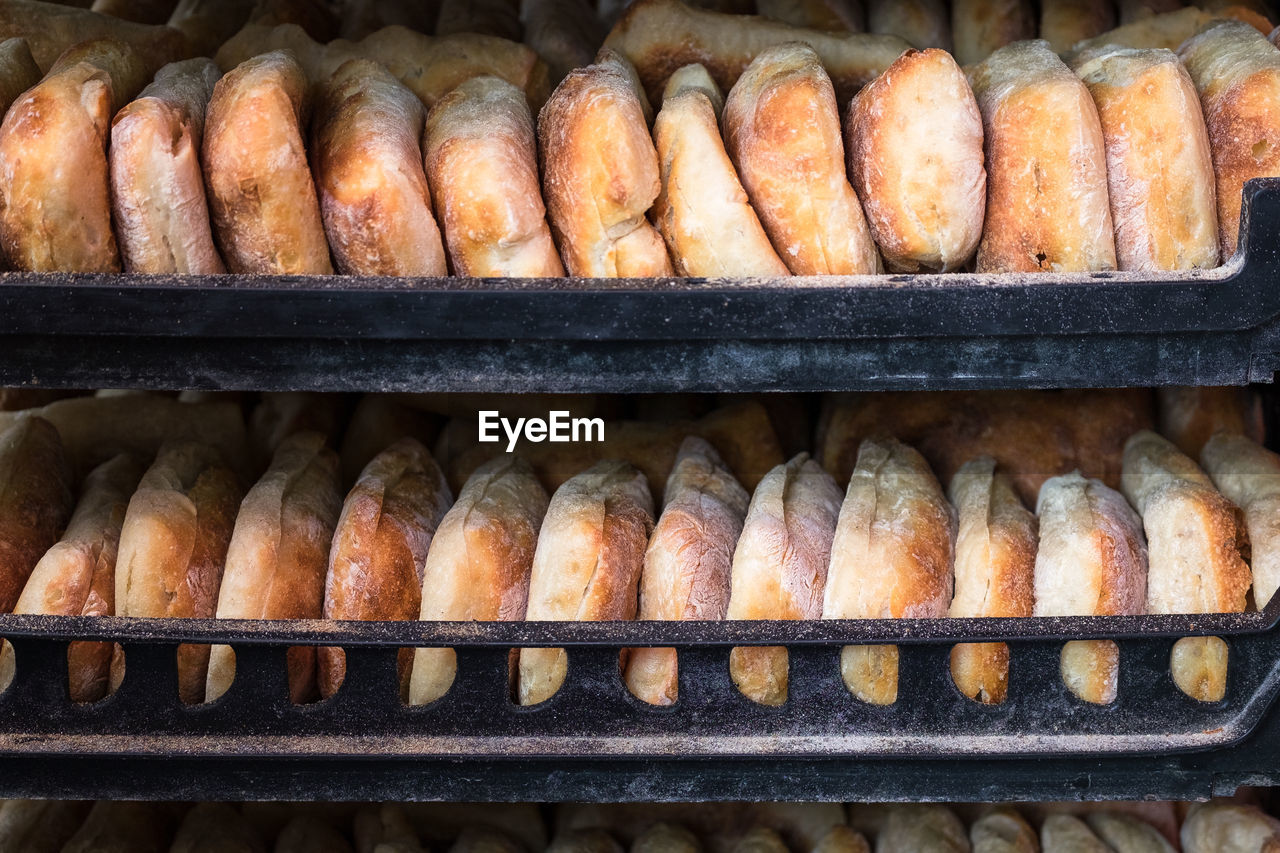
574,538
308,157
32,826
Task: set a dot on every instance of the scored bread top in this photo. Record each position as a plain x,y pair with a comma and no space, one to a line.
996,544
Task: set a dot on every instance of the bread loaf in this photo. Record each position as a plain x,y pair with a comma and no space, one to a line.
922,829
1248,475
587,564
380,548
1126,834
208,24
379,421
369,175
216,826
478,566
35,501
1166,30
833,15
842,839
50,29
1237,72
265,213
920,23
760,841
116,827
694,78
665,838
1136,10
477,840
925,200
39,826
600,173
55,207
173,548
1065,23
689,561
1092,561
782,130
1190,416
1159,167
385,829
1047,202
565,33
482,167
490,17
18,71
718,825
584,841
780,566
1061,833
994,571
1229,828
157,189
980,27
1003,831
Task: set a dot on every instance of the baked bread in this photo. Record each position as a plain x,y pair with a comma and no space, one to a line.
50,29
216,826
490,17
1125,834
995,562
782,130
892,558
980,27
920,23
666,838
694,78
1047,202
361,17
1062,833
55,207
158,203
266,216
845,16
718,825
760,841
440,823
173,548
600,173
40,826
18,71
379,421
1237,72
483,840
479,563
584,841
587,564
385,829
35,502
279,414
1065,23
780,567
1092,561
1248,475
1003,831
925,201
922,829
842,839
1159,167
1189,416
115,827
141,11
659,36
565,33
278,555
689,561
703,213
1129,11
482,167
367,159
1229,828
208,24
380,548
1166,30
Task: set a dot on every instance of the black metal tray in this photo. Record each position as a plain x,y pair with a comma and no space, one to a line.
594,741
1217,327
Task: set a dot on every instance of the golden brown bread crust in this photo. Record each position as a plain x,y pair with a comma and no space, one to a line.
278,555
1237,72
600,173
726,45
1065,23
693,77
479,562
842,839
262,198
689,561
18,71
1229,828
216,826
1003,831
587,564
55,208
50,29
666,838
760,841
920,23
892,557
995,562
40,826
1061,832
482,166
1127,834
1190,416
1047,203
35,501
1159,166
782,129
1167,30
931,828
158,202
565,33
925,197
834,15
139,11
367,156
1248,475
980,27
380,547
780,566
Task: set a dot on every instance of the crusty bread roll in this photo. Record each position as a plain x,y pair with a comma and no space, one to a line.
173,548
600,173
565,33
1129,11
482,166
1092,561
922,829
18,71
483,840
1062,833
367,158
1003,831
479,563
584,841
925,199
385,829
50,29
1167,30
587,564
842,839
994,571
1195,563
380,548
216,827
55,207
717,825
689,561
1047,202
491,17
207,24
1159,167
35,501
279,414
920,23
440,823
1237,72
782,130
379,421
1065,23
1126,834
760,840
694,78
77,576
659,36
361,17
666,838
702,210
157,189
278,555
834,15
1229,828
39,826
307,835
1248,475
140,11
117,827
266,215
1190,416
780,566
980,27
892,557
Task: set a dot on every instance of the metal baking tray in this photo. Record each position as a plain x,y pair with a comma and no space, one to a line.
1216,327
